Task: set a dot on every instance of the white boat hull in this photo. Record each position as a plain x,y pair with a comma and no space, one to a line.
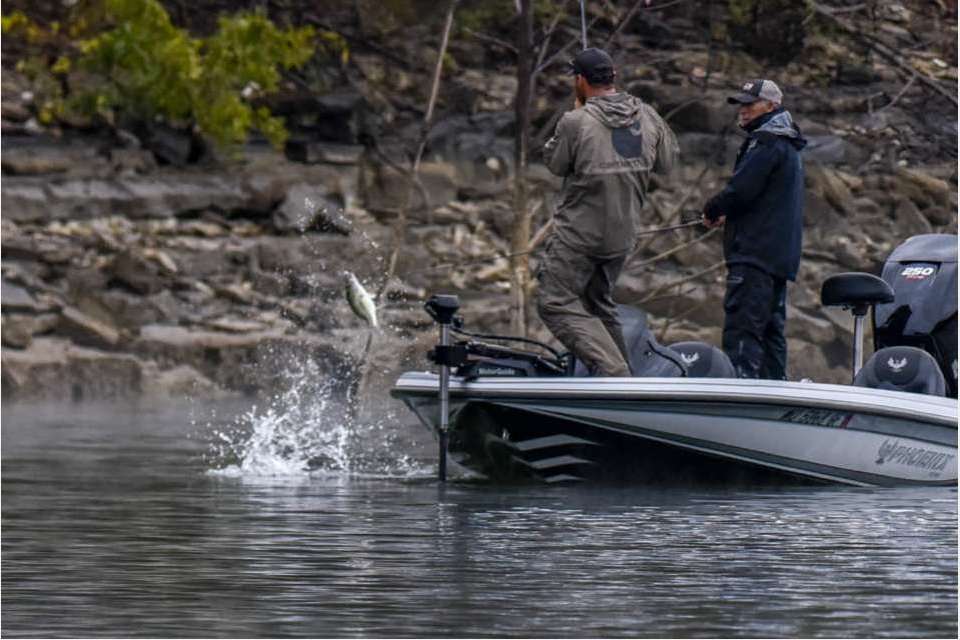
596,428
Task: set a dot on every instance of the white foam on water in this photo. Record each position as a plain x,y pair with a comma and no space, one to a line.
307,431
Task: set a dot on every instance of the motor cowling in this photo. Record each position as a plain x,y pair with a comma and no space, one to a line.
923,274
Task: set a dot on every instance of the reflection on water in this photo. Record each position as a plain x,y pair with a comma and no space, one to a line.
113,525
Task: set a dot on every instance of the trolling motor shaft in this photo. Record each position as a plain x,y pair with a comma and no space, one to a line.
442,309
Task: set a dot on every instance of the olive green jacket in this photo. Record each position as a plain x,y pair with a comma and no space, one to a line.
605,152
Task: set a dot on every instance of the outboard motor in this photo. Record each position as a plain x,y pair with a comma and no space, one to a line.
923,275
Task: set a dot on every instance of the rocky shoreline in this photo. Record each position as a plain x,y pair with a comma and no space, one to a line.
130,271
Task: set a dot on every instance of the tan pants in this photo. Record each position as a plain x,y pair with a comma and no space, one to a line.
575,301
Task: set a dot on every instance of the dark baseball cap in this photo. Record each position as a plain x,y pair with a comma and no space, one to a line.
594,64
753,90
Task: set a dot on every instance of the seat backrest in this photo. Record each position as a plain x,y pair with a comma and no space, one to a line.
704,360
902,369
648,358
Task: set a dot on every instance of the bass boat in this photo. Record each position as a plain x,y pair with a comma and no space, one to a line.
513,409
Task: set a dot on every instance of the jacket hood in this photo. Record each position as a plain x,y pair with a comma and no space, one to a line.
779,123
615,110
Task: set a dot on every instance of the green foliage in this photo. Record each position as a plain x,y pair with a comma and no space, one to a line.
155,68
138,65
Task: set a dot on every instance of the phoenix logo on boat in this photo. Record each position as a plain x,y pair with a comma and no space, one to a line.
893,451
897,365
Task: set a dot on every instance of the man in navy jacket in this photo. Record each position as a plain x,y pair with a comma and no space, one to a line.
761,209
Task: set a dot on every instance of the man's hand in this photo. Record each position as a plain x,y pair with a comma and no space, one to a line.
713,223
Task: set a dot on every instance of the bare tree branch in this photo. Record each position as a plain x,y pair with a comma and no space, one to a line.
886,52
503,44
400,225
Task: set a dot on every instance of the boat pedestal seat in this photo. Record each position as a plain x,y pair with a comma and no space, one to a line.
647,357
857,290
902,369
704,360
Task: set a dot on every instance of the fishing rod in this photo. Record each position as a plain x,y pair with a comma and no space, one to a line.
683,224
583,24
672,227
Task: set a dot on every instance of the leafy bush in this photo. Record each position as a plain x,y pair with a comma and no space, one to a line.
140,66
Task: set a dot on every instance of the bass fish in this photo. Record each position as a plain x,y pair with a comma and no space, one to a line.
361,302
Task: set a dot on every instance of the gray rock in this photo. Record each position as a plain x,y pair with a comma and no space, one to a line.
827,150
131,311
827,182
269,283
19,329
171,145
23,201
910,221
14,298
86,330
36,161
942,216
54,369
313,152
179,382
15,331
14,111
812,361
866,206
386,189
307,207
709,147
820,215
138,273
810,327
130,161
249,362
688,108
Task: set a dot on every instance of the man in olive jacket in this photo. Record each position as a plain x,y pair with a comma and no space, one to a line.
762,210
604,150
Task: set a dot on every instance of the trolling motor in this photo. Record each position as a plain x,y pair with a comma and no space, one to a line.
443,308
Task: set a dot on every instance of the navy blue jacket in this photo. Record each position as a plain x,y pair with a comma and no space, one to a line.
763,201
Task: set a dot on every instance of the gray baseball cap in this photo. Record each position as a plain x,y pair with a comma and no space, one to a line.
753,90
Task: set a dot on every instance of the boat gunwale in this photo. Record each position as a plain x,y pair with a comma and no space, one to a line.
896,404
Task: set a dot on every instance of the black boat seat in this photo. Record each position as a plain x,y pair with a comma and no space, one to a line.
704,360
648,358
902,369
854,290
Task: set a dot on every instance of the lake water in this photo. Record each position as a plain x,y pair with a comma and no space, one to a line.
227,521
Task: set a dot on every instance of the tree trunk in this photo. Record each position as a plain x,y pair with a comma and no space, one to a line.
520,233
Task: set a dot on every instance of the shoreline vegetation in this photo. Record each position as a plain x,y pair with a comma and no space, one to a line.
188,239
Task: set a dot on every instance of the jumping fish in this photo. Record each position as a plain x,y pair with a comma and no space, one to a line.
361,302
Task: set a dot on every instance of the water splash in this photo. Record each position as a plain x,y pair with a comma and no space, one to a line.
308,430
